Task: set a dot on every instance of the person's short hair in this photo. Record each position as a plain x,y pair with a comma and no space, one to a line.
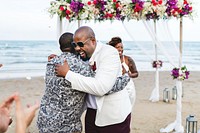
65,41
114,41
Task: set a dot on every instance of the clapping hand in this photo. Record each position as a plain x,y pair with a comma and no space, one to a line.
5,119
25,116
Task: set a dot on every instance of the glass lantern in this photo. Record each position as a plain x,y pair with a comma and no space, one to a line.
166,95
174,93
191,124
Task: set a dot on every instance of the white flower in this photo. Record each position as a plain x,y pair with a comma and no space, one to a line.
127,1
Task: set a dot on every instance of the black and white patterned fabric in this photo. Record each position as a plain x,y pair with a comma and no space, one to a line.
61,107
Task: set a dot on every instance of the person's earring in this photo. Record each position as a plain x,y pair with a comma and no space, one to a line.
11,120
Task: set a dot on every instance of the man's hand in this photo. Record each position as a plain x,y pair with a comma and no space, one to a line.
61,70
5,119
51,56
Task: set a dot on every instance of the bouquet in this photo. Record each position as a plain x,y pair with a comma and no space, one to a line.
157,64
180,73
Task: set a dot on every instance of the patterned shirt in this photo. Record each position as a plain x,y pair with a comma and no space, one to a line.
61,107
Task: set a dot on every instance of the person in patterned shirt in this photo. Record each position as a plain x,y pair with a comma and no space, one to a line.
62,107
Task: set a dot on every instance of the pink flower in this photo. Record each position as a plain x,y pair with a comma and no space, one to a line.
89,3
62,8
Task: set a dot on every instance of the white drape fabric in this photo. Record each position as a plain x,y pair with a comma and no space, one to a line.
177,124
157,42
155,93
173,60
129,31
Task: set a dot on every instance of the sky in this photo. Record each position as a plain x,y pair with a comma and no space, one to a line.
29,20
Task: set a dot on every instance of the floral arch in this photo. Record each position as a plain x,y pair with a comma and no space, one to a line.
149,10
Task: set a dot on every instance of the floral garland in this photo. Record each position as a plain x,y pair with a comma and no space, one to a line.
177,9
71,10
154,9
180,74
119,9
157,64
134,9
114,10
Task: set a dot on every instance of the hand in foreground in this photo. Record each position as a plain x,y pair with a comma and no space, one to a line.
24,117
5,119
51,56
61,70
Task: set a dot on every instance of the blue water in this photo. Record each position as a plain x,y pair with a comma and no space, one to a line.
29,58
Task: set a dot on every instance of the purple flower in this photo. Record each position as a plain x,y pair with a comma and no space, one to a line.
76,6
175,72
181,76
187,73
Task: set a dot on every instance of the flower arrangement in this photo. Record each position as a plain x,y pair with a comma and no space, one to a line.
180,73
119,9
99,8
114,10
177,9
69,9
157,64
154,9
134,9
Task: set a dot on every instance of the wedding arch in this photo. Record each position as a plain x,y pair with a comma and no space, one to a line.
145,11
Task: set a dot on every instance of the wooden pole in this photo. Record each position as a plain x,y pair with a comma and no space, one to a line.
79,23
179,84
181,42
156,58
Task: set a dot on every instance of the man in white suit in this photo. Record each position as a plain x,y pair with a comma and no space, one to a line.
105,113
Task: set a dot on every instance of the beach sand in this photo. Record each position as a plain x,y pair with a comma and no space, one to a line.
147,117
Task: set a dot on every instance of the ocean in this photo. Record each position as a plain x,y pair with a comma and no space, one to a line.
29,58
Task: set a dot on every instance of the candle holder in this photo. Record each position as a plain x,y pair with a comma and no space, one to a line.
191,124
166,95
174,93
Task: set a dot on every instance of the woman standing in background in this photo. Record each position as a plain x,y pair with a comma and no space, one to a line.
128,66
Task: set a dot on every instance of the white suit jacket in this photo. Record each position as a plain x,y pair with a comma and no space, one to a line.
113,108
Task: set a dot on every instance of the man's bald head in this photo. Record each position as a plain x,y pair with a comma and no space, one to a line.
85,32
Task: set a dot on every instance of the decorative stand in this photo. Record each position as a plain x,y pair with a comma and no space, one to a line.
177,124
155,93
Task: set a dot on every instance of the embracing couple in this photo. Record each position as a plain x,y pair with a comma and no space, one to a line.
87,75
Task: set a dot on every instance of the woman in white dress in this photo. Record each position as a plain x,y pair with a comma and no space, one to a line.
128,66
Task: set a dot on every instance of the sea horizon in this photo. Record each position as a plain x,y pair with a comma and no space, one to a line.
25,58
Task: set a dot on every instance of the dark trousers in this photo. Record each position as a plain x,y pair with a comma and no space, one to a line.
90,126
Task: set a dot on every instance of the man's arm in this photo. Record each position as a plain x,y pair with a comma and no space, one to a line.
83,68
108,69
76,65
120,84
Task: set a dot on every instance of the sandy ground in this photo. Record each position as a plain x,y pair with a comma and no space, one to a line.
147,117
